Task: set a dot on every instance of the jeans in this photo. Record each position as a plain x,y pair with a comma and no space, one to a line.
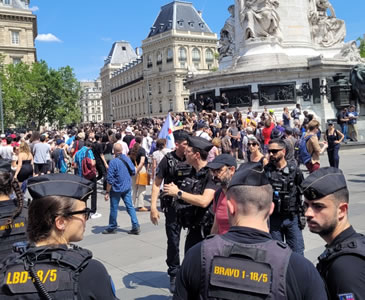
344,131
333,157
287,227
114,204
173,231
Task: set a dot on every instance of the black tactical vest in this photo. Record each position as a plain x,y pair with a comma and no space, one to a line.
244,271
189,215
285,189
58,270
14,232
352,246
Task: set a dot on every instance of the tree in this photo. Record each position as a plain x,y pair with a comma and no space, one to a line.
34,95
362,46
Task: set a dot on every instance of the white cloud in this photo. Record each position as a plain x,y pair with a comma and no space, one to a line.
34,8
47,37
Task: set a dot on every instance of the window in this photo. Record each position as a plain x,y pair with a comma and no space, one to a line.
16,60
150,89
186,103
93,118
196,54
160,105
159,58
182,54
99,117
149,61
7,2
170,55
182,64
151,107
93,111
169,85
171,105
159,87
184,83
15,37
209,57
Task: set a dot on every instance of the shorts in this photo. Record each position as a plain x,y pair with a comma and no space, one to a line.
235,144
41,168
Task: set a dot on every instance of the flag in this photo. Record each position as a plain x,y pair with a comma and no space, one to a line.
167,133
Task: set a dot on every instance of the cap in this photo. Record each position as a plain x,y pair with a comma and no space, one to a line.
5,165
252,174
65,185
271,111
222,160
181,135
323,182
81,135
59,142
128,129
276,134
200,143
201,125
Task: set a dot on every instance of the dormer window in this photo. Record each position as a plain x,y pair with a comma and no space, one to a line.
201,25
153,28
162,26
180,23
191,23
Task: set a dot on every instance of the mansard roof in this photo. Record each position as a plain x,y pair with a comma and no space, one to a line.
121,53
179,15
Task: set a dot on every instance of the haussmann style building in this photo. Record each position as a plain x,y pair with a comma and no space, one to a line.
90,102
179,44
18,30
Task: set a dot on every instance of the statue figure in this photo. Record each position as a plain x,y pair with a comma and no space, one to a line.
227,36
259,18
350,52
327,30
357,80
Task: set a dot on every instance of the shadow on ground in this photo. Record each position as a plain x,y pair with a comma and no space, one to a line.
99,229
151,278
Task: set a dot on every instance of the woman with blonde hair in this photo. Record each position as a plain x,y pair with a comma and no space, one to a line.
24,169
215,151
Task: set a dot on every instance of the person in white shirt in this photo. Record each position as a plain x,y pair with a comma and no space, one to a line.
146,141
6,152
202,131
125,149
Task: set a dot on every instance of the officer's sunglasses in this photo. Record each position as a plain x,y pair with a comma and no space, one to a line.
274,151
86,212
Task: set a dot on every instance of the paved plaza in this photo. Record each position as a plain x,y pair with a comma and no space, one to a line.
137,263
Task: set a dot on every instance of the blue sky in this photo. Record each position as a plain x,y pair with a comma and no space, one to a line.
80,33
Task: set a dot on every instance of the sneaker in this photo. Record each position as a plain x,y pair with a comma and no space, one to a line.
136,231
95,215
109,231
172,284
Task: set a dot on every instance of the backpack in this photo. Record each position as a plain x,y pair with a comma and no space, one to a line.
304,155
88,170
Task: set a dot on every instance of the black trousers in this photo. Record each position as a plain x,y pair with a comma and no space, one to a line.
173,231
93,196
101,173
196,235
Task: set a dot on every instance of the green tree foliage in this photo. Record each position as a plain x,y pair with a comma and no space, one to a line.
362,46
34,95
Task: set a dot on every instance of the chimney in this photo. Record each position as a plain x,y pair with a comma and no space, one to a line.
200,13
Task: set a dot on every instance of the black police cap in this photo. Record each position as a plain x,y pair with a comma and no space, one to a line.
323,182
65,185
222,160
251,174
5,165
200,143
180,135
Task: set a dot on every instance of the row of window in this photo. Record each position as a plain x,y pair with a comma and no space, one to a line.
92,118
91,103
182,56
98,110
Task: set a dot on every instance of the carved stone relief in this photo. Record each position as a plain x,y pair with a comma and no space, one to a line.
227,36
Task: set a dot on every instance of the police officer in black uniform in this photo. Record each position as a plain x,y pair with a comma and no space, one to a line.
246,263
50,267
342,264
13,212
287,221
172,168
195,195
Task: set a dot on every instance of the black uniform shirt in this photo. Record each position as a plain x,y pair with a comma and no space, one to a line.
346,274
303,280
162,171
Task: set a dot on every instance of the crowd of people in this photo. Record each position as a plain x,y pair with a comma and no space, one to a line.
207,183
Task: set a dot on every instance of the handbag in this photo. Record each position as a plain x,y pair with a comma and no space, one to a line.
142,178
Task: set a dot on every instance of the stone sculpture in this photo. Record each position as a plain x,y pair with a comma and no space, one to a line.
350,52
227,36
326,30
357,80
259,18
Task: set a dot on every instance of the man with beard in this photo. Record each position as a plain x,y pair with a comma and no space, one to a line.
222,168
172,169
286,223
342,264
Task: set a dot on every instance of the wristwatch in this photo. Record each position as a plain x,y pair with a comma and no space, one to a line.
179,194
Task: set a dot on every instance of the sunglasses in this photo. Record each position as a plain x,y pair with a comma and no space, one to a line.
86,212
274,151
251,144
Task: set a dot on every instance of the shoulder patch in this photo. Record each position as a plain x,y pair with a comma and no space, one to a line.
348,296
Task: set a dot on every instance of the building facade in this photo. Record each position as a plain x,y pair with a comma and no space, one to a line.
18,30
179,45
90,103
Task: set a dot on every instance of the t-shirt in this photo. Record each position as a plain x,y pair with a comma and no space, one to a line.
158,155
6,152
41,153
221,213
266,133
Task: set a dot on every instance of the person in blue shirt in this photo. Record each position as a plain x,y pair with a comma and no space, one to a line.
352,127
119,185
